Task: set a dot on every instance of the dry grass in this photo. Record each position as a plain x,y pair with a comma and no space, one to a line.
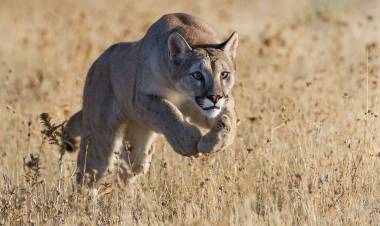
308,100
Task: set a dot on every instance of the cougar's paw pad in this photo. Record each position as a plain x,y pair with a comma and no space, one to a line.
223,123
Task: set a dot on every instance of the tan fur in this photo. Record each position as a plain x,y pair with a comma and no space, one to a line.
137,90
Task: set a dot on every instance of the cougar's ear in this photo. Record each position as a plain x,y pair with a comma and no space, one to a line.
177,45
230,45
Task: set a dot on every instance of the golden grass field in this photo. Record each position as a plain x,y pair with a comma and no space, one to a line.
307,92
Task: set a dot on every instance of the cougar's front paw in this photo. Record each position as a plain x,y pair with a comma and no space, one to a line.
209,143
185,141
223,124
215,139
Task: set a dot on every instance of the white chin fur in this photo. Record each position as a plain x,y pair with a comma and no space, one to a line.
212,113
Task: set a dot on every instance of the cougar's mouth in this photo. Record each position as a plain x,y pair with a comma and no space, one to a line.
201,101
211,108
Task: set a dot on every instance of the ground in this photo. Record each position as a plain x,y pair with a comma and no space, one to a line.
307,97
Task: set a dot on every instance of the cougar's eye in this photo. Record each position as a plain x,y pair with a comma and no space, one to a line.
225,74
197,75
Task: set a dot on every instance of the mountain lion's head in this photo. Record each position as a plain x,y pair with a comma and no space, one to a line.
205,74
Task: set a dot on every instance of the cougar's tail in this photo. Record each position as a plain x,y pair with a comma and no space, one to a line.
72,132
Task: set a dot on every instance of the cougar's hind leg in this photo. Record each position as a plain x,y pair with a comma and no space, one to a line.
141,139
102,122
96,153
102,134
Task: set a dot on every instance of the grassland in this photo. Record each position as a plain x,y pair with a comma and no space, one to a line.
308,101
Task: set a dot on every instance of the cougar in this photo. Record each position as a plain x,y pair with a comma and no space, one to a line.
175,80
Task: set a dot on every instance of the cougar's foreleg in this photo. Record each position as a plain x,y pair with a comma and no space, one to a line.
164,117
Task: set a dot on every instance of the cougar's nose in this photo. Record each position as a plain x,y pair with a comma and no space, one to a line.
214,98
